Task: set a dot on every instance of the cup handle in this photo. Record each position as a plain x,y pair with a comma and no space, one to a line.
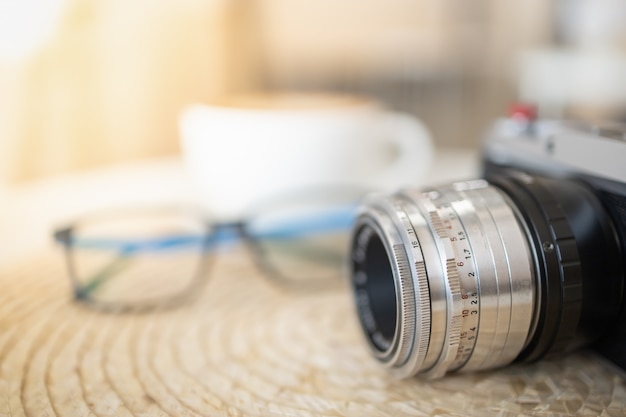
415,151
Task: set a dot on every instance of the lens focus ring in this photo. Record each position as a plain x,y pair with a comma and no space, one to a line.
472,278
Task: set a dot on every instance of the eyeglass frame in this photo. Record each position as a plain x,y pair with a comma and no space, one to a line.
212,230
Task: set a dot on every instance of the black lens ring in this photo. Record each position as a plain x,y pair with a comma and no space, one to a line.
559,266
377,315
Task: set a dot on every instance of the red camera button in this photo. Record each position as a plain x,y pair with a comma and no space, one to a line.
523,112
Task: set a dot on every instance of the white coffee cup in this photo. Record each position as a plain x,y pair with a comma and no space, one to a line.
249,148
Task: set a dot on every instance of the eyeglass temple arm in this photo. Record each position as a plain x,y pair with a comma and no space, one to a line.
340,220
221,233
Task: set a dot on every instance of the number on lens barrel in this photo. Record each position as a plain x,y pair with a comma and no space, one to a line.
476,275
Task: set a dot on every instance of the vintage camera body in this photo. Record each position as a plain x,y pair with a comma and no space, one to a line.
526,263
591,155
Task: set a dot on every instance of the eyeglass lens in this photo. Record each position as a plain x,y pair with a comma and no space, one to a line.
145,257
136,258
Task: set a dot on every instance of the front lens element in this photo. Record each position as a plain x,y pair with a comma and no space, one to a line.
451,271
380,290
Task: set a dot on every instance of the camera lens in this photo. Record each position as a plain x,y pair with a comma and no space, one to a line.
475,275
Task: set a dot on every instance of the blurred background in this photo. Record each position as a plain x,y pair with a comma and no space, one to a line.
86,83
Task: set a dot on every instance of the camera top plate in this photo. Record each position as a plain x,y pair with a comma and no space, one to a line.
561,149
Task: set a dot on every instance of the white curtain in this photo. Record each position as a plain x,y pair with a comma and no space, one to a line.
108,82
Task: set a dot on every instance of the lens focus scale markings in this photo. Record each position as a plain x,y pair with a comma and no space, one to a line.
452,286
462,242
414,227
406,321
438,291
466,269
500,280
516,276
415,305
414,326
398,348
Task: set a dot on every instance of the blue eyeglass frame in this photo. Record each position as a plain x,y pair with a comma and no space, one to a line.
215,235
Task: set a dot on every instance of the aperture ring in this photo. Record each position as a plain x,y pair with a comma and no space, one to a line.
434,279
500,251
522,278
422,329
464,205
404,252
413,339
468,277
453,293
377,223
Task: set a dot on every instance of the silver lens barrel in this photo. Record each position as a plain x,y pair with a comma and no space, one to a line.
444,279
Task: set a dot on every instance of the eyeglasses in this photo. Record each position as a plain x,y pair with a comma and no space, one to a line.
137,259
